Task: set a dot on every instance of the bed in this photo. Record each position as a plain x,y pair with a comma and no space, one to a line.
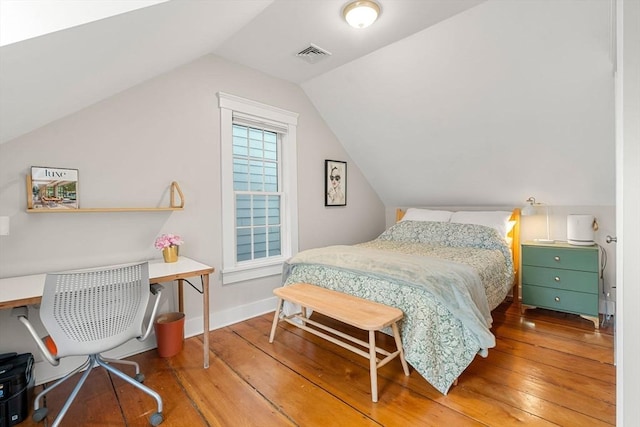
445,270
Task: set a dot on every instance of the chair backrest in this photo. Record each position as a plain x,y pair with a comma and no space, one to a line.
95,310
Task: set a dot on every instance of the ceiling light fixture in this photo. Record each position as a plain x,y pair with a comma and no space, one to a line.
361,13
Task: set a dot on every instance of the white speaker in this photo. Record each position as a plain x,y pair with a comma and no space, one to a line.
581,230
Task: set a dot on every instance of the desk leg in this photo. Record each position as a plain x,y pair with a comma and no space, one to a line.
205,309
181,295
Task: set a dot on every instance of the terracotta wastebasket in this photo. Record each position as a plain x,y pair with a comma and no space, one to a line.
169,328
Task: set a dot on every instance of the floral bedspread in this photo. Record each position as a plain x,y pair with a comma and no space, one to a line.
440,336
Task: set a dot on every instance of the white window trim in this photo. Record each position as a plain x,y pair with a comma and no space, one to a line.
270,117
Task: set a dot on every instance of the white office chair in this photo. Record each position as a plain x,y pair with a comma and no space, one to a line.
87,312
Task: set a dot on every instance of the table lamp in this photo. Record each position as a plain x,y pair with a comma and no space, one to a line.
530,209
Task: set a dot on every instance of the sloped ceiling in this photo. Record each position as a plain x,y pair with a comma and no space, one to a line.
48,77
439,102
505,100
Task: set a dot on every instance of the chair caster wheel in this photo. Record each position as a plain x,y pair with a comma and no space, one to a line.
39,414
156,419
139,378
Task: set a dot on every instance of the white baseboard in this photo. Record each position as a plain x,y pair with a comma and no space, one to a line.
45,372
229,317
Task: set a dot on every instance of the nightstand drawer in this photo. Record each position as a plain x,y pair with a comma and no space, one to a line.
566,258
580,281
561,300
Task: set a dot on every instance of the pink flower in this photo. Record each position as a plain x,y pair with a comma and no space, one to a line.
168,240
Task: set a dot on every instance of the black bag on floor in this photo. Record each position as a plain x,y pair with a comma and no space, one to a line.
16,387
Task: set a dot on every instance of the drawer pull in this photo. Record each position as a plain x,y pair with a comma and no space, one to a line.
557,258
557,299
557,279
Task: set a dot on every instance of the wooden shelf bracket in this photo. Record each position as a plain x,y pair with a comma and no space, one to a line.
175,188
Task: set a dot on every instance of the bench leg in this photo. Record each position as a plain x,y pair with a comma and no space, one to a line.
276,318
396,335
373,366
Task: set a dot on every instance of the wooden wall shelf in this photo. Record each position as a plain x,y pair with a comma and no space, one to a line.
173,205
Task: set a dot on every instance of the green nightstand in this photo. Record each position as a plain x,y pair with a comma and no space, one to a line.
561,277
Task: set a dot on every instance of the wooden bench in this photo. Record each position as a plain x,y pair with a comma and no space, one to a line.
363,314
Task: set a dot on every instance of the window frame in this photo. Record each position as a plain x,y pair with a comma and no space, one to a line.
252,113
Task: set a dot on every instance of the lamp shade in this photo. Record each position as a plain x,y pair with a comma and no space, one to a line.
362,13
529,208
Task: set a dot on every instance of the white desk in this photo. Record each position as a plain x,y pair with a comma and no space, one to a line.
27,290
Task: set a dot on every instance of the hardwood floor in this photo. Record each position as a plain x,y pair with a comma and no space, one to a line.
547,369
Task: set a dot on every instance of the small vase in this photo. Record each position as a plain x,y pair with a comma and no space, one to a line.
170,254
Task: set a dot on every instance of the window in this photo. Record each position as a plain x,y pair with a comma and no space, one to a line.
256,176
259,202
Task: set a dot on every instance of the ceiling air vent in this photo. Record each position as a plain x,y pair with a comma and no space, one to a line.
313,54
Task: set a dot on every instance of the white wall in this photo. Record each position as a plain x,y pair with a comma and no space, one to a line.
628,156
505,100
129,148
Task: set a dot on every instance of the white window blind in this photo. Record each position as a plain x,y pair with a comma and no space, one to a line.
260,123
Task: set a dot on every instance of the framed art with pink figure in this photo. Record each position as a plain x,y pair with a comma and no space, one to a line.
335,183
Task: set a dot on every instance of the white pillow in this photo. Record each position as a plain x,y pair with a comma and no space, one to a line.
415,214
495,219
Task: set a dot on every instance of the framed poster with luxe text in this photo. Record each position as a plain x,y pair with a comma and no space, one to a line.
52,188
